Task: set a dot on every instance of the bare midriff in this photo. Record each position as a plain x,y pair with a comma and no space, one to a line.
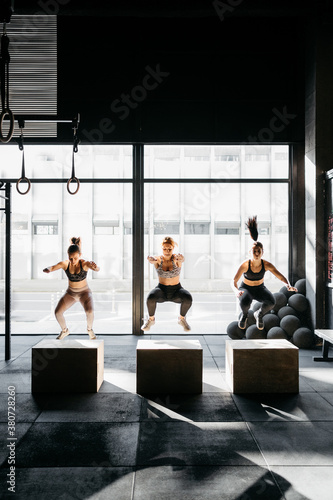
169,281
78,284
252,283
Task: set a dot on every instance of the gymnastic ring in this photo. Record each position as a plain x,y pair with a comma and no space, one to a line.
4,113
26,180
75,179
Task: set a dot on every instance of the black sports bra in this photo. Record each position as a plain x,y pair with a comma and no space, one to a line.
251,276
76,277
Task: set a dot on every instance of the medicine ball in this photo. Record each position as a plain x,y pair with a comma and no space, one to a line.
286,311
290,324
303,338
280,301
277,333
286,292
299,302
301,286
252,332
270,320
234,331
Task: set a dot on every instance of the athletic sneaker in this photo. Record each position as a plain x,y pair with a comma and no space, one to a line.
182,322
91,334
63,334
242,322
146,326
259,320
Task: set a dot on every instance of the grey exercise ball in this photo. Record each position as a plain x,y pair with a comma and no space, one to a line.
290,324
303,338
277,333
234,331
301,286
286,292
280,301
270,320
286,311
252,332
298,302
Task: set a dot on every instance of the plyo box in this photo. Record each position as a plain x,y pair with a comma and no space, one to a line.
169,367
262,366
67,366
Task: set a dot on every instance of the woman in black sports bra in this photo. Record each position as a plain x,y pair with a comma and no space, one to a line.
252,287
78,290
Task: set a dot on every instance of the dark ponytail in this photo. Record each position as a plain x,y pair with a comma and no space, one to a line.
252,226
75,246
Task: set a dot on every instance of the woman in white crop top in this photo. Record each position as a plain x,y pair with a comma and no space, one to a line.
168,267
78,290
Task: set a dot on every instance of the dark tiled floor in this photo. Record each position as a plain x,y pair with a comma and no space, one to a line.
118,445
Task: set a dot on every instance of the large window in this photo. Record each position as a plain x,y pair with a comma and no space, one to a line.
44,220
207,220
199,195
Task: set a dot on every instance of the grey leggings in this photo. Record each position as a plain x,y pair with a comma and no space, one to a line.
72,295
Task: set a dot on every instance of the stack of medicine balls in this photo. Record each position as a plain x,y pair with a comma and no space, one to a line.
289,319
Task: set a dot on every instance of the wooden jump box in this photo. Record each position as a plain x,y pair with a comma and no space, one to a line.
67,366
169,367
262,366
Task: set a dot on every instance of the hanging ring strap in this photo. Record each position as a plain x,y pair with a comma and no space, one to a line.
73,177
23,178
4,78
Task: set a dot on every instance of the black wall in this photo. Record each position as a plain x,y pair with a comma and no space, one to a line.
218,80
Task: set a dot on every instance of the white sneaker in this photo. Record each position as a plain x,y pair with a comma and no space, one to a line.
182,322
63,334
146,326
91,334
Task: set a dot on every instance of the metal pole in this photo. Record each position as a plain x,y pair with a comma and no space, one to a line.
7,273
138,239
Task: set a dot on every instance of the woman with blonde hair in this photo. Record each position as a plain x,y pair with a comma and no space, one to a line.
78,290
252,287
169,289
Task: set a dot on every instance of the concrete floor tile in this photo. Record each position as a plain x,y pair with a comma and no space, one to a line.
120,365
207,407
217,350
306,363
119,350
197,443
295,443
283,407
304,386
6,439
220,362
320,380
102,483
328,396
205,483
117,381
21,380
91,408
214,381
79,445
17,365
27,407
305,483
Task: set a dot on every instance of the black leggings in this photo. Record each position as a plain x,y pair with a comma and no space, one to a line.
259,293
169,293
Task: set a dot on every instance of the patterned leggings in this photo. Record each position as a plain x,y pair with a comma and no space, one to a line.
72,295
